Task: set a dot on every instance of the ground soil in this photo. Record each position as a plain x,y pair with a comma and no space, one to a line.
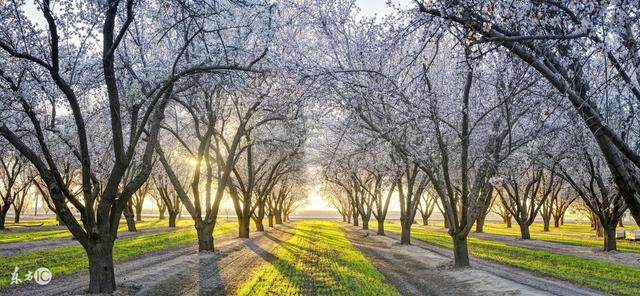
619,257
12,249
423,269
180,271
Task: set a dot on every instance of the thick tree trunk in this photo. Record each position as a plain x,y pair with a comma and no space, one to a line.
101,275
355,220
243,228
259,224
278,217
365,224
349,219
425,220
405,234
556,222
380,227
172,219
205,237
562,220
128,216
547,222
480,225
161,214
621,222
16,217
3,218
344,218
131,222
610,239
524,231
599,229
139,214
270,219
460,251
446,223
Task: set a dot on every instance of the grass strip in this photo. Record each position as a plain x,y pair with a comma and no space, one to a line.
609,277
69,260
318,260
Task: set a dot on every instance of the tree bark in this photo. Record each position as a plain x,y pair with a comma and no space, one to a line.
355,220
243,228
405,234
380,227
460,251
270,219
278,217
524,231
139,214
172,219
556,222
3,217
205,237
547,222
259,224
480,225
128,216
101,275
610,239
161,214
16,217
365,224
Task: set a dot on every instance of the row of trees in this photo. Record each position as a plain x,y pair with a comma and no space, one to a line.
475,102
109,102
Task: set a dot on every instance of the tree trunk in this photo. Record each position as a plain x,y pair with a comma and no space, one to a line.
355,220
621,222
480,225
546,221
243,228
16,217
460,251
365,224
259,224
101,275
270,219
139,214
405,234
161,214
278,217
380,227
172,219
128,216
556,222
3,217
599,230
205,238
425,220
446,223
349,219
610,239
344,218
562,219
508,221
524,231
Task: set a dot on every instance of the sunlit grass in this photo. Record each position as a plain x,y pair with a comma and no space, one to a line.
570,233
9,237
73,259
609,277
318,260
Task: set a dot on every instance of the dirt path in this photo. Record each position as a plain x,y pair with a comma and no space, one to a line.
12,249
180,271
422,269
619,257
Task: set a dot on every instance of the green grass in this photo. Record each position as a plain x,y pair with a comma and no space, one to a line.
317,260
35,235
73,259
609,277
571,234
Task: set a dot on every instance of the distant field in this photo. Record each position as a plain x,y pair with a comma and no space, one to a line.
70,260
609,277
318,260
